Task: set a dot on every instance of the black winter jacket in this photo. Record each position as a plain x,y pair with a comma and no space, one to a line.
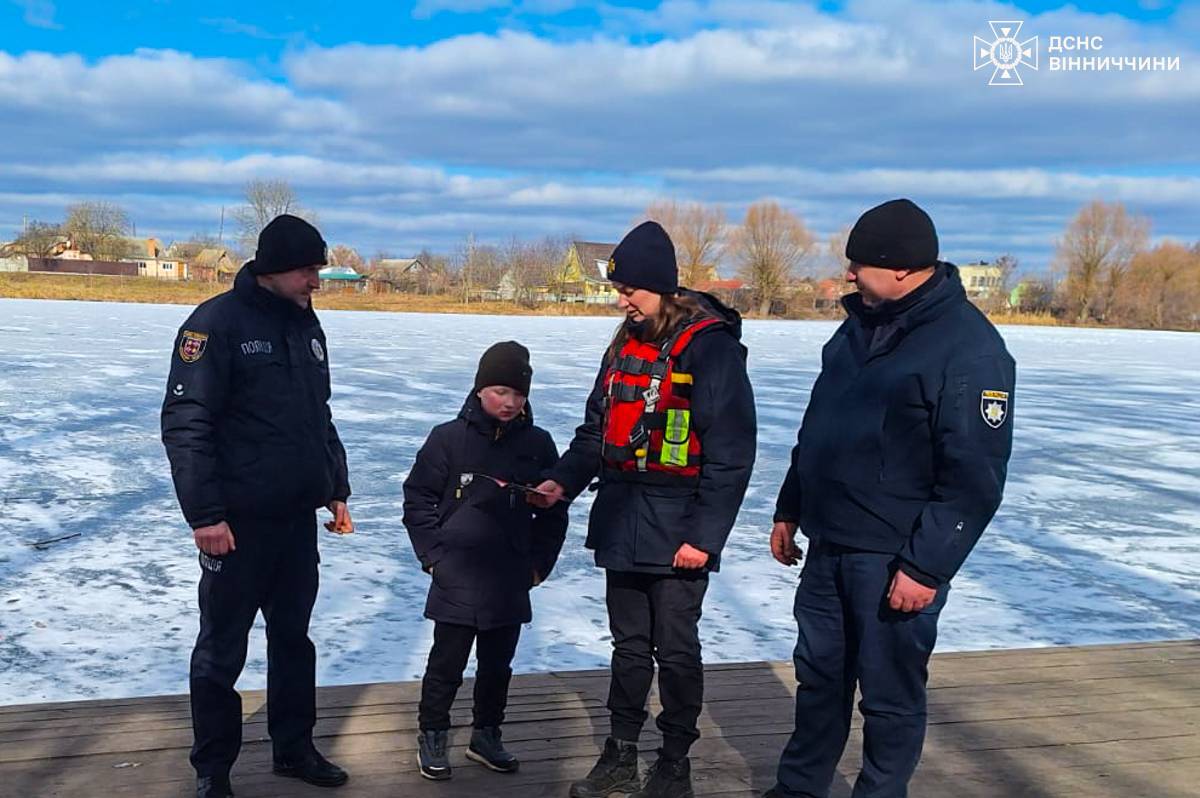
639,527
482,542
905,443
246,420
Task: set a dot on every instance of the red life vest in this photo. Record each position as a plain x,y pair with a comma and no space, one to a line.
647,409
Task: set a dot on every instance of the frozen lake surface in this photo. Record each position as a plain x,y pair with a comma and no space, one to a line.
1098,539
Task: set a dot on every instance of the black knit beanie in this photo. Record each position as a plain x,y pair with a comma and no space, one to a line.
505,363
286,243
645,258
894,235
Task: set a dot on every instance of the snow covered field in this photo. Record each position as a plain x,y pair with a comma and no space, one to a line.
1098,539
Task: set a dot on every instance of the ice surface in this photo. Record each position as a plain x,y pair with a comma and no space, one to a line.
1098,539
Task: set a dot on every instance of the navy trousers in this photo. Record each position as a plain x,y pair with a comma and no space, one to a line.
848,637
273,569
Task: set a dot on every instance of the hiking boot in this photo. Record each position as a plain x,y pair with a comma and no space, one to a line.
213,787
667,778
486,749
615,771
309,766
431,754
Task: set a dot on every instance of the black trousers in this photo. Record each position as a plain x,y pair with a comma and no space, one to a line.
849,636
273,569
494,650
655,619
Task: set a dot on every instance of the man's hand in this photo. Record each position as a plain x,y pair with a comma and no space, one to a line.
783,543
690,558
341,523
908,595
215,540
550,493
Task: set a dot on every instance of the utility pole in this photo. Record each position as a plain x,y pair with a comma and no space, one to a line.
221,229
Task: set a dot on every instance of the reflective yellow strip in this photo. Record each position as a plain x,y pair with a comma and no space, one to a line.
675,438
686,379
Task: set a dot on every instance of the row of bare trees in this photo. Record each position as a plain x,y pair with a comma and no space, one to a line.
97,228
1112,275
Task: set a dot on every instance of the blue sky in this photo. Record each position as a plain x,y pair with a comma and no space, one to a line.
414,124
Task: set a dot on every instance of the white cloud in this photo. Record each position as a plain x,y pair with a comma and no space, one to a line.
39,13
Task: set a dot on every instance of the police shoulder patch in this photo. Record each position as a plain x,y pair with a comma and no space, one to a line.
192,345
993,406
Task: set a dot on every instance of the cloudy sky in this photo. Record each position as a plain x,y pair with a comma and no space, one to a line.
411,124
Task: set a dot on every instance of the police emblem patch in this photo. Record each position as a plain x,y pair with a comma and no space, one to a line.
993,406
318,350
191,346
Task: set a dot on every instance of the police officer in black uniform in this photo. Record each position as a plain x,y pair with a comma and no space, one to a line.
898,468
253,451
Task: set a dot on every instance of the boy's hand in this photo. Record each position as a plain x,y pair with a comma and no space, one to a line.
342,524
549,494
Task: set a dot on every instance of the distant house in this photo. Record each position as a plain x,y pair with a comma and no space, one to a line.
341,278
153,260
828,294
212,265
981,280
398,274
583,274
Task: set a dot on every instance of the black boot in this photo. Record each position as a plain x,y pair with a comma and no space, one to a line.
487,750
431,754
213,787
667,778
311,767
615,771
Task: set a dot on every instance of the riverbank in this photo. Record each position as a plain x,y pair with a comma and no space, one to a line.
103,288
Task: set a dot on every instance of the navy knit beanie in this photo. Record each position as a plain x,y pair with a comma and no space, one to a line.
645,258
505,363
287,243
894,235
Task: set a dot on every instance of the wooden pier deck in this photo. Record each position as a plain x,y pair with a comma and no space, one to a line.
1101,722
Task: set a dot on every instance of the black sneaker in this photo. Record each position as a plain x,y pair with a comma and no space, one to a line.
312,768
667,778
487,750
431,754
615,771
213,787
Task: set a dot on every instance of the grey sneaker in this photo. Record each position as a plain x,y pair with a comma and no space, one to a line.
431,754
487,750
615,771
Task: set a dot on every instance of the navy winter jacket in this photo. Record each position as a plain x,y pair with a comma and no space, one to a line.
482,542
246,420
905,443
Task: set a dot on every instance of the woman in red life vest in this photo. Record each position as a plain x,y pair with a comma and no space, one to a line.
669,429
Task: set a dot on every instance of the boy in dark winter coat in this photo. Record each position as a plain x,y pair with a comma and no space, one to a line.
485,545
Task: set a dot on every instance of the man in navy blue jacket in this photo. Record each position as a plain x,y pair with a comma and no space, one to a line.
898,468
253,450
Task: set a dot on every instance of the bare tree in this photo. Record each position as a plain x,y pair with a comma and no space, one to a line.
99,229
696,231
529,265
38,240
1161,290
1096,251
265,199
769,246
342,255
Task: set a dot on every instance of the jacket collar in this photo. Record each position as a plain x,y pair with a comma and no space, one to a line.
472,411
882,327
